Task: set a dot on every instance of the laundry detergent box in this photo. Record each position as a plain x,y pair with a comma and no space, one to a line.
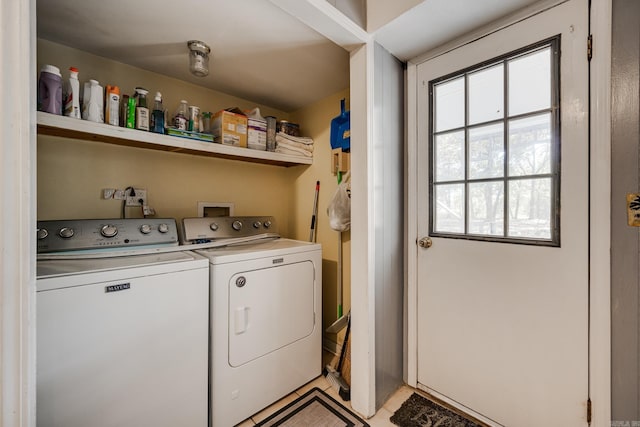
257,134
229,127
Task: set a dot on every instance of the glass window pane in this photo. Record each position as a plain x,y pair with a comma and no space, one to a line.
449,105
486,152
530,82
486,95
449,209
449,157
486,208
530,208
530,145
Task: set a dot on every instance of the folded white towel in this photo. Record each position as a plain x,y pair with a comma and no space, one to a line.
301,139
291,144
294,152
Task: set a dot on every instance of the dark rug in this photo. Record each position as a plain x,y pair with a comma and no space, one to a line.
418,411
315,408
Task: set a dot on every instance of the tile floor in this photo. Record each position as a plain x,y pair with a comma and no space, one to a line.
380,419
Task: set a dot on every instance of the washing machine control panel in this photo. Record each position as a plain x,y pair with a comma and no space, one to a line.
201,230
69,235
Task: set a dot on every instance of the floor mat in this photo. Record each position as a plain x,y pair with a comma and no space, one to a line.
418,411
315,408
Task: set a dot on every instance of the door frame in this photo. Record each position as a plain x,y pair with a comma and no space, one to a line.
599,206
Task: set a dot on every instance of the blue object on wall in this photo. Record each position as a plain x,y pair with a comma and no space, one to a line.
341,130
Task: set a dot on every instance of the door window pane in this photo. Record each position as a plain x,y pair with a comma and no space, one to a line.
449,157
530,145
449,100
529,82
486,95
449,208
486,151
530,208
486,208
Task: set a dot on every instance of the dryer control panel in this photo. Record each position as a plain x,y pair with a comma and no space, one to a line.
201,230
70,235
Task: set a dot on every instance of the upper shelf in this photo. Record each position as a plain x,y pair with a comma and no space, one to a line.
52,124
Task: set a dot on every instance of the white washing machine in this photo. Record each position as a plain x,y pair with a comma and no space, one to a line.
122,326
266,302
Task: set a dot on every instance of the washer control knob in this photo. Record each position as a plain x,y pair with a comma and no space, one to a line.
237,225
42,233
109,230
214,226
267,224
257,224
145,229
66,232
163,228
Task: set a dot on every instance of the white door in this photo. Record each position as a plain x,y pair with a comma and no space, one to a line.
502,304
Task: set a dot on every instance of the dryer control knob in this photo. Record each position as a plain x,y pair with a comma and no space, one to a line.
66,232
109,230
42,233
163,228
257,224
214,226
237,225
267,224
145,229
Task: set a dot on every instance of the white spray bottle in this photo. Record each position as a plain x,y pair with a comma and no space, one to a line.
72,104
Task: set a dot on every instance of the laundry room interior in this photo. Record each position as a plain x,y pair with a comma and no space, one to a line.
176,182
266,303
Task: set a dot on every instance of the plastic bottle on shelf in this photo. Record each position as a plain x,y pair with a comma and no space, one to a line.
50,90
72,103
93,102
112,105
181,119
142,112
157,116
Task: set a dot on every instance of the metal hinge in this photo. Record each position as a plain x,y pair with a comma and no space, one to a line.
589,411
589,47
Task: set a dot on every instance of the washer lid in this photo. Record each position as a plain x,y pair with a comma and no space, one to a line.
246,251
67,267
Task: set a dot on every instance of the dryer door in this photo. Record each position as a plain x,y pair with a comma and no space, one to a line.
269,309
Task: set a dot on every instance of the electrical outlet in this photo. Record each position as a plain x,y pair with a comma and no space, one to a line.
139,199
119,195
107,193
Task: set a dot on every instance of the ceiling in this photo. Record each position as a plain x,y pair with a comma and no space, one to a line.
259,52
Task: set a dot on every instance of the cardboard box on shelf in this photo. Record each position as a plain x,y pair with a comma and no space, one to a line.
229,127
257,134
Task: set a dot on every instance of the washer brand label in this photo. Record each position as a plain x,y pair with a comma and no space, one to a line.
277,261
118,287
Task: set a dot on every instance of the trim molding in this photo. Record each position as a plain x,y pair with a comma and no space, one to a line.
18,197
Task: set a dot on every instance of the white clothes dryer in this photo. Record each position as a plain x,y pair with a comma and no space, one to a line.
266,302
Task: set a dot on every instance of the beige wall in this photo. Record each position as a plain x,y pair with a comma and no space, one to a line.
315,120
72,173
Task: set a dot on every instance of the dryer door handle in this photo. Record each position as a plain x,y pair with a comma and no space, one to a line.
242,320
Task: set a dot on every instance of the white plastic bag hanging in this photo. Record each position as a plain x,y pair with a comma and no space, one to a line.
339,209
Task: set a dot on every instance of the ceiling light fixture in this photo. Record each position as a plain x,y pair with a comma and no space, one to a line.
198,58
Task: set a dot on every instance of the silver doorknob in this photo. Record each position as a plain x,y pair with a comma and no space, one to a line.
425,242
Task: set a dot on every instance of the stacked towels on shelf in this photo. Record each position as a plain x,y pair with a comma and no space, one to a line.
294,145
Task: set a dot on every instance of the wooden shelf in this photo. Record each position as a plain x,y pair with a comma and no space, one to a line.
54,125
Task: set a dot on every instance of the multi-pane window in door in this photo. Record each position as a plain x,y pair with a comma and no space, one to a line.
495,149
